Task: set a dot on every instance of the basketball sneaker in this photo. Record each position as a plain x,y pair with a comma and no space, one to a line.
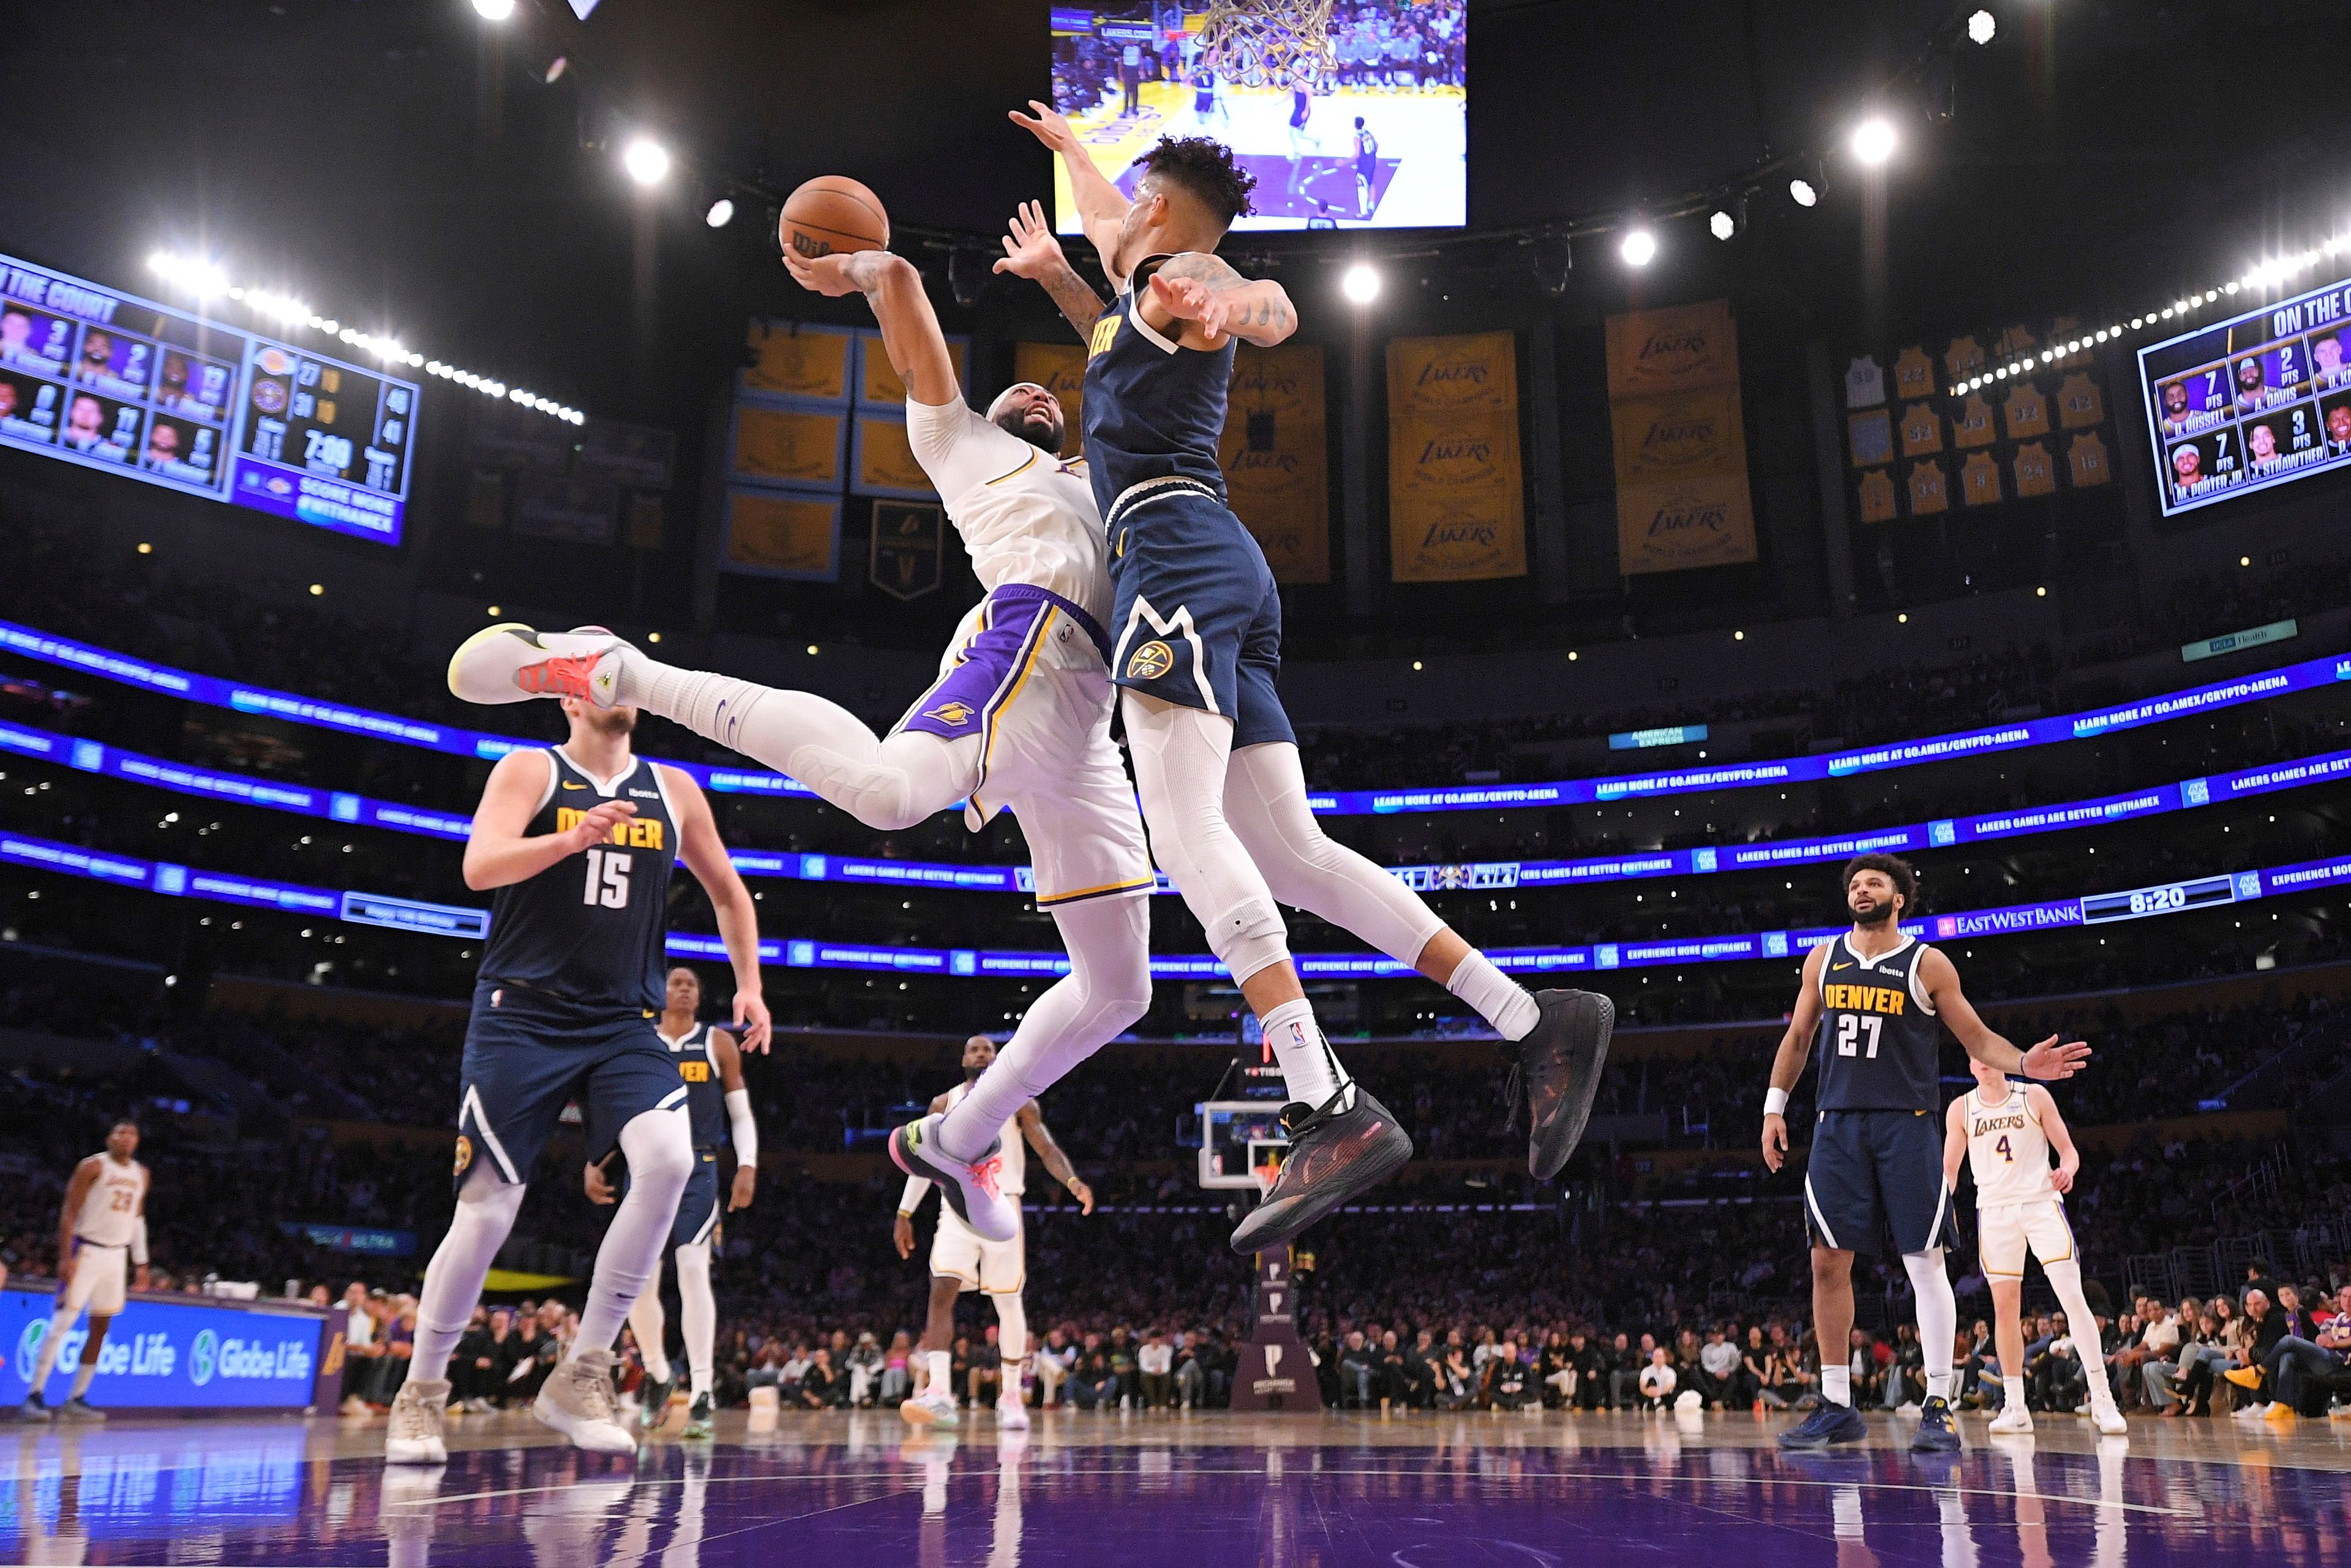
652,1400
34,1408
1559,1065
413,1437
1828,1424
577,1401
697,1417
1011,1413
78,1410
1346,1146
935,1407
971,1190
2013,1420
1937,1433
512,662
2109,1419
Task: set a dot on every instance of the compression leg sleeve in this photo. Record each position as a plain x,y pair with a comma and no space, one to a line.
487,1207
659,1148
650,1325
1938,1317
698,1314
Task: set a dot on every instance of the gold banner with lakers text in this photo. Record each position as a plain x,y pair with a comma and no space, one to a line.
1277,458
1457,500
1060,369
1653,352
1682,499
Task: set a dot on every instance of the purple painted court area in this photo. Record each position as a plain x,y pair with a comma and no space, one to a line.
1325,187
1102,1490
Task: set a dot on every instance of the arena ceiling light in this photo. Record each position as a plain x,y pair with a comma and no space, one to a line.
1874,139
494,10
1724,224
646,159
1639,247
1803,193
1361,283
1982,27
721,212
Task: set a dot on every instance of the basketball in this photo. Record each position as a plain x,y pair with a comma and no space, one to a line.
833,213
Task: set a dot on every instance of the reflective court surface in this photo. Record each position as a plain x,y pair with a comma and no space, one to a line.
1201,1490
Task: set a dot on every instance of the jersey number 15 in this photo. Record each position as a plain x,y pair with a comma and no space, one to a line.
607,884
1851,1026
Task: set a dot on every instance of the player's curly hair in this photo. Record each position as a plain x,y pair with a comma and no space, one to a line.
1205,167
1897,870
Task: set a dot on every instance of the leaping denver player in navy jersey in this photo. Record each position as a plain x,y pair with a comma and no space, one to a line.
578,840
1197,627
1873,1005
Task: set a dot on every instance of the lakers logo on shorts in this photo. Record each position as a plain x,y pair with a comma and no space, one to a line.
464,1153
950,713
1149,662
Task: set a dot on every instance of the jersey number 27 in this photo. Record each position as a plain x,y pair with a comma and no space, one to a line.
1851,1026
607,884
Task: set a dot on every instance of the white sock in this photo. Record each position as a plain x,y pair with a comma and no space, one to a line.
1836,1384
659,1148
697,1313
82,1374
2012,1391
1107,988
942,1386
61,1322
1938,1317
1309,1066
1502,1001
452,1281
650,1325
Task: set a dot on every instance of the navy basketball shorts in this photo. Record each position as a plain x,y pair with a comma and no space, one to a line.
1875,1173
528,1054
1198,618
697,1207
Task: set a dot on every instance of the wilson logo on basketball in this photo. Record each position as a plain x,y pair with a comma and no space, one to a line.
1150,661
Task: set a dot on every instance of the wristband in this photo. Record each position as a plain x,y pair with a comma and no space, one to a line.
1775,1101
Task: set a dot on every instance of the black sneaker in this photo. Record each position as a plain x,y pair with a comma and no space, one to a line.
34,1408
652,1400
1335,1154
697,1417
1937,1433
1827,1425
1560,1065
79,1410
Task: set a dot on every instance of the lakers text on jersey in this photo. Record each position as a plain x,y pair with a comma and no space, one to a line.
2018,1205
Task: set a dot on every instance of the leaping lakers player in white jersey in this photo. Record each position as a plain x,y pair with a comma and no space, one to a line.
2004,1132
102,1233
1019,717
961,1259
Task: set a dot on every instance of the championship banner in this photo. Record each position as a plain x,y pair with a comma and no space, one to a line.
1060,369
789,360
1682,500
774,533
1457,504
908,557
1276,455
877,379
884,463
789,446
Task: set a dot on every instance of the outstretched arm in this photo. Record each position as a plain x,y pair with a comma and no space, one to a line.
1202,289
1056,1163
2048,1059
1101,209
910,328
1030,251
1788,1061
1955,1142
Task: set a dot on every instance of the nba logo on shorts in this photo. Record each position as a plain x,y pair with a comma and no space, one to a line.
1150,661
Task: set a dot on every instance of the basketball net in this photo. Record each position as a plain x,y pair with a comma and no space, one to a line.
1270,43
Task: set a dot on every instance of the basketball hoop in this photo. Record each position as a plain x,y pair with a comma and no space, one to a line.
1270,43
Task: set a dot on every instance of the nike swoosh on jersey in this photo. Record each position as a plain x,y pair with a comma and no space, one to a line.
567,784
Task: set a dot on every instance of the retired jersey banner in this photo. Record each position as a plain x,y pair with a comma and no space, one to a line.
796,362
1457,504
1060,369
774,533
1277,458
1682,500
789,446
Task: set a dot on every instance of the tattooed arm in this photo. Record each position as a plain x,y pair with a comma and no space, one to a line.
910,328
1030,251
1202,293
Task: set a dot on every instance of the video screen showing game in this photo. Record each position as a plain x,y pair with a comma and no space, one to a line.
1351,113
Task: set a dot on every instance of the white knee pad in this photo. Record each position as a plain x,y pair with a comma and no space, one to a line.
1248,936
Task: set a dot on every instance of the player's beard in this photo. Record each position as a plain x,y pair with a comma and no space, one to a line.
1045,436
612,720
1875,915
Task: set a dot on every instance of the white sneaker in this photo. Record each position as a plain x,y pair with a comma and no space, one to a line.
512,662
931,1409
354,1404
2109,1420
2014,1418
414,1436
577,1401
2253,1412
1011,1414
971,1190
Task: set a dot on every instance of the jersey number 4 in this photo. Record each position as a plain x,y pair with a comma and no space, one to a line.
1851,1027
607,884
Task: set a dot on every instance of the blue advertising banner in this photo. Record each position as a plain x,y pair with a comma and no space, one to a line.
166,1354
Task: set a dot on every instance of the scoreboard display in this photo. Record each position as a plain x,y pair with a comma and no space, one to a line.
111,381
2252,401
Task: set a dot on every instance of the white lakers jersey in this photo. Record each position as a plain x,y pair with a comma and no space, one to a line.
1012,1174
110,1211
2008,1153
1025,514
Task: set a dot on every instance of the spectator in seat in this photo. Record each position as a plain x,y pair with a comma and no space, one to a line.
983,1377
1419,1372
897,1377
1154,1365
1093,1383
824,1386
1121,1364
1861,1357
1191,1375
1590,1362
1625,1364
865,1365
1657,1379
1054,1359
1755,1365
362,1347
1356,1364
1905,1375
1509,1383
1720,1382
1457,1386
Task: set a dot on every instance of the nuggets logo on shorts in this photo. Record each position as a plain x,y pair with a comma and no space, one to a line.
464,1153
951,713
1149,662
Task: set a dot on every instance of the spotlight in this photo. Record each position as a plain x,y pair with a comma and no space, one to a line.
646,159
721,212
1639,250
1982,27
1359,283
1722,224
494,10
1803,193
1873,140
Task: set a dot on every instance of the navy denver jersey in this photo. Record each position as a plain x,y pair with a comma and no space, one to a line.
591,927
1153,410
1879,1036
705,1093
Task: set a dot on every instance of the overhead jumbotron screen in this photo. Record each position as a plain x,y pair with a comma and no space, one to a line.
1366,127
2253,402
106,380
